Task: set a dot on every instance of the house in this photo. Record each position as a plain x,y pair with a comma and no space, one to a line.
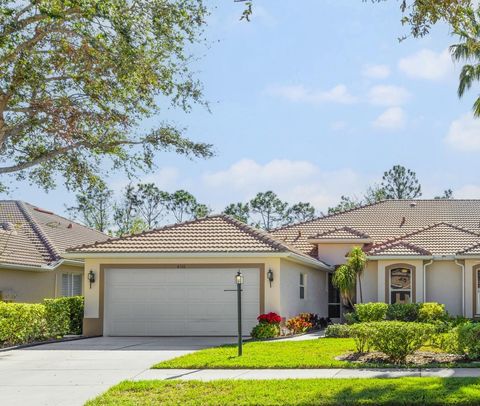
179,280
32,244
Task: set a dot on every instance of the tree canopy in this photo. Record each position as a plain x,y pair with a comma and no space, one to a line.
401,183
266,210
78,76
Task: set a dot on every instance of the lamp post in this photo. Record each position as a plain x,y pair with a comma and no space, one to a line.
239,281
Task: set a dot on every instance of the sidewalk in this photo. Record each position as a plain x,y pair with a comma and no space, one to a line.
213,374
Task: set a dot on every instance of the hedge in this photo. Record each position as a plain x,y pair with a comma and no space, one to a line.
22,323
422,312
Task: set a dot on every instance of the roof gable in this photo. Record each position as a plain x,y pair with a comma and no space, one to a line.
341,233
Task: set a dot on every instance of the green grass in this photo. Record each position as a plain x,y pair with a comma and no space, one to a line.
400,391
319,353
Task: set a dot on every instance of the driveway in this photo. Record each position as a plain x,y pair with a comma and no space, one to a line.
70,373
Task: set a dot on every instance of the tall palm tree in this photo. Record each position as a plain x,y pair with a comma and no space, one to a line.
357,261
468,51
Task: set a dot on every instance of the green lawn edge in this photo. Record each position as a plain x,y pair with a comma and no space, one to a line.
307,354
385,391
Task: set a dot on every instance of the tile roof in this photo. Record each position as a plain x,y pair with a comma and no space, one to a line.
347,233
35,237
219,233
437,239
390,219
397,248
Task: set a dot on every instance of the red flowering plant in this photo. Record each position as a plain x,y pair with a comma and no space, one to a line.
269,318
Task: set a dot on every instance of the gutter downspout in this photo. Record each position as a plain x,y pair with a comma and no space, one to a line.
463,285
425,279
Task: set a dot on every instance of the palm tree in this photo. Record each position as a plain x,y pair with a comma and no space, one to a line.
357,261
344,280
468,50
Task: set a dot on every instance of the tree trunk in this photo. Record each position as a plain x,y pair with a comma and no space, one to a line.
360,287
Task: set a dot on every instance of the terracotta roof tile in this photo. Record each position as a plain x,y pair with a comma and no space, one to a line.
341,233
391,219
35,237
220,233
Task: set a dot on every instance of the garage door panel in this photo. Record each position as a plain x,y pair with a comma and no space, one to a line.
178,301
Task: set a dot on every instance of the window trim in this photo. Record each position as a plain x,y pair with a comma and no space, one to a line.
388,270
302,285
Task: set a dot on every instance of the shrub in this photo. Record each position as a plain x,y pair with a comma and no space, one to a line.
351,318
298,324
57,315
265,330
66,315
76,304
469,339
361,334
22,323
447,341
430,312
269,318
368,312
403,311
337,331
398,339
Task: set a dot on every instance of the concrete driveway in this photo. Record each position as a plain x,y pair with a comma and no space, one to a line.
70,373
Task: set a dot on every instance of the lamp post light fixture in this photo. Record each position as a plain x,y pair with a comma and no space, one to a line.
270,276
239,282
91,278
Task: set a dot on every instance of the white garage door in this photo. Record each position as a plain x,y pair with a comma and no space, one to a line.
178,302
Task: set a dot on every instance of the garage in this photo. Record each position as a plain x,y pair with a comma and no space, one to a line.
178,301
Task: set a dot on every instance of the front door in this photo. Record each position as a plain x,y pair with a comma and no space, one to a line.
333,299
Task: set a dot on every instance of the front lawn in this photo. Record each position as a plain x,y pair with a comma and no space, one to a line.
318,353
400,391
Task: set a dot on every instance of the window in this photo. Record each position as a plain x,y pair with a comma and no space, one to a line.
71,284
302,286
333,298
400,285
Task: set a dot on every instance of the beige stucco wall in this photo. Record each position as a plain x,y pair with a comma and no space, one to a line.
369,283
444,285
316,295
334,254
34,286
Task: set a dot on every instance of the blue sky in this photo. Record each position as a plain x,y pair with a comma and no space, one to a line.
315,99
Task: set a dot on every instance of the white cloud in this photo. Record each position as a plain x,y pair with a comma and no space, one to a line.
427,64
376,71
467,192
300,94
388,95
393,118
464,133
292,180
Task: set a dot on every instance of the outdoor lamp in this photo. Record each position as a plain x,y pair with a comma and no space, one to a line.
91,278
239,278
270,276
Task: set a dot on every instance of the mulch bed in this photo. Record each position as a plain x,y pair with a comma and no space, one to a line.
420,358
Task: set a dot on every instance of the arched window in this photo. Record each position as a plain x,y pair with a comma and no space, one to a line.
401,285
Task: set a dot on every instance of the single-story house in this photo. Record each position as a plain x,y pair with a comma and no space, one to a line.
178,280
32,244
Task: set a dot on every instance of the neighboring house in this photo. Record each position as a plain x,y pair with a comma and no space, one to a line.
32,244
177,280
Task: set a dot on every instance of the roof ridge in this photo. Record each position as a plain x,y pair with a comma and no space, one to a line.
422,229
347,228
64,218
42,236
146,232
397,243
256,232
